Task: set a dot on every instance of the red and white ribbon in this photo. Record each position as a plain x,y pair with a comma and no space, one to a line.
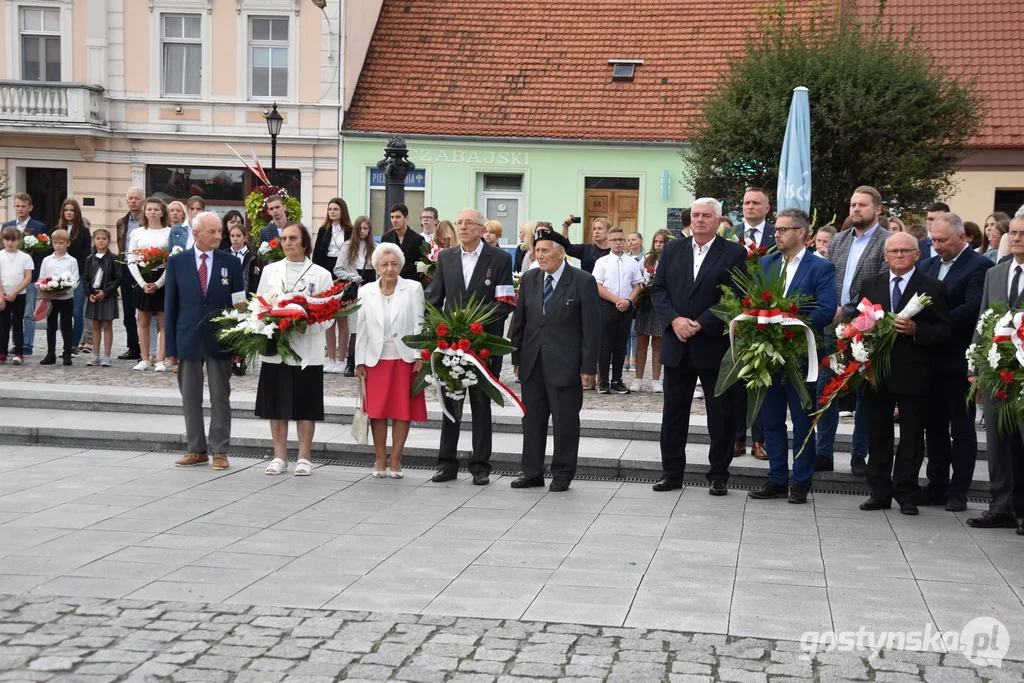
485,374
776,316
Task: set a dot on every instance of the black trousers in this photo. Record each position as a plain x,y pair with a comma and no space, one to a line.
480,458
64,310
680,382
892,476
12,320
948,416
1005,464
563,404
131,327
615,326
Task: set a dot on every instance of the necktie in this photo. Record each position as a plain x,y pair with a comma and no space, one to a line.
549,289
202,273
752,235
1015,286
896,294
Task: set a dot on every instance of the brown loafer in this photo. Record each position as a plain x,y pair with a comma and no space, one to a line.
757,450
220,461
739,448
192,459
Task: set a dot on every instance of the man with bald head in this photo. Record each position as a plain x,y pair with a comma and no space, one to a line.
907,386
471,270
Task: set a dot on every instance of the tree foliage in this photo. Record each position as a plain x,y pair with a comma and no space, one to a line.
883,112
5,190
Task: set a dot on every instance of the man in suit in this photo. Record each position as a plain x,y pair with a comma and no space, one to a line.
201,282
816,277
278,219
1004,283
125,225
24,222
857,253
556,330
963,270
474,269
686,286
927,246
909,381
408,240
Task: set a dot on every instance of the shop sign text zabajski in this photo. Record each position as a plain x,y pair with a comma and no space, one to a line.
458,156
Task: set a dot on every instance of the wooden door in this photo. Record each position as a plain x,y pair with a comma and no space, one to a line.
621,207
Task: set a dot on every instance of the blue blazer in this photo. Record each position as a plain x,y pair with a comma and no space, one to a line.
188,331
925,247
179,236
815,277
33,227
965,286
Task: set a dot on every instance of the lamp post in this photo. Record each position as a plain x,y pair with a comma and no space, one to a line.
396,167
274,121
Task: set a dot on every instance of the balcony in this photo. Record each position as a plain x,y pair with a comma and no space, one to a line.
33,103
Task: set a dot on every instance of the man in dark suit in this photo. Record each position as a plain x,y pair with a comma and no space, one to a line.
201,282
408,240
24,222
686,286
278,220
805,274
123,229
474,269
557,332
927,246
963,271
909,381
1004,283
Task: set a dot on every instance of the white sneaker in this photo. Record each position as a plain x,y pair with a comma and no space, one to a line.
698,392
162,366
105,363
637,385
845,413
658,388
93,362
143,365
337,367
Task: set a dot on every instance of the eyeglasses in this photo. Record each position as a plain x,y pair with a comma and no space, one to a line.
894,252
785,230
617,239
459,224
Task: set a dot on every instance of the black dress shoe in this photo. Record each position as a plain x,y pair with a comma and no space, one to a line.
718,488
527,482
823,464
769,490
1020,529
481,479
48,359
925,497
131,354
798,494
559,485
996,520
67,360
873,503
956,504
666,484
908,508
443,475
858,465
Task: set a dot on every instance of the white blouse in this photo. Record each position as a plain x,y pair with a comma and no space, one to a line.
144,238
336,241
301,278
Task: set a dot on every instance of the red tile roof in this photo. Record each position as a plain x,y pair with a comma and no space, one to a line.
526,68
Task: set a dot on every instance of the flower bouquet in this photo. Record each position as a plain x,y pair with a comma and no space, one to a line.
50,288
427,265
517,279
263,325
151,258
456,350
35,244
256,207
767,335
996,360
644,300
271,251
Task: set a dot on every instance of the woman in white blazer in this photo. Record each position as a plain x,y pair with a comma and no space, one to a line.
391,308
290,389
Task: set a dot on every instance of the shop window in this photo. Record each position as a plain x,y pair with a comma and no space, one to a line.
220,187
415,190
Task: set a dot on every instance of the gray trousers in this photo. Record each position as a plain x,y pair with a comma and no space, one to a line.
190,384
1005,455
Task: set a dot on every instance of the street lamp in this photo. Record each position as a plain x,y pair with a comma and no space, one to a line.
274,121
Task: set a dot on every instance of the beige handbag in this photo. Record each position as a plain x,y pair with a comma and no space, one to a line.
361,423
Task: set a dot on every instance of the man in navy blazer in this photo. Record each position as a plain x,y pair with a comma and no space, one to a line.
963,271
201,282
927,246
686,285
816,277
29,226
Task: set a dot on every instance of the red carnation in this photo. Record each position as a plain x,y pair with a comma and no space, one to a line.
465,344
788,334
762,326
425,354
484,354
43,237
748,302
841,345
476,328
794,309
442,344
273,243
1006,376
766,296
824,363
1002,395
441,330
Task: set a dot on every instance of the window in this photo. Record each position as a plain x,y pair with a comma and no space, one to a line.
1009,201
40,44
183,54
221,187
268,56
380,219
501,199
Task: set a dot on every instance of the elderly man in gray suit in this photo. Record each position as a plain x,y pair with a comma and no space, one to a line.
1004,283
857,253
557,333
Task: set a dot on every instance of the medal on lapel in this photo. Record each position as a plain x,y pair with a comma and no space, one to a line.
487,278
224,276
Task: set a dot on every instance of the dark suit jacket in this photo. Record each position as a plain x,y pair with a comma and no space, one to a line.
675,294
412,248
32,227
965,284
448,288
568,334
187,328
111,274
925,247
914,358
267,233
739,232
814,277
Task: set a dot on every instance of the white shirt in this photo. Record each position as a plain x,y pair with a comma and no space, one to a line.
240,254
1009,280
791,267
618,274
699,253
12,270
53,265
209,264
555,276
469,261
21,225
902,285
336,241
758,231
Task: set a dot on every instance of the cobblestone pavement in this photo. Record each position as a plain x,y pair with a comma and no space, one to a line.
93,640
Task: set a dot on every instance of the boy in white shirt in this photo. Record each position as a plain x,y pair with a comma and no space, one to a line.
15,276
618,278
62,306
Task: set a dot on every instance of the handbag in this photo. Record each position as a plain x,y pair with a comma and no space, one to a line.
361,423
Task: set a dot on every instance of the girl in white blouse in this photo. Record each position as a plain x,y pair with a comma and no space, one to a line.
154,231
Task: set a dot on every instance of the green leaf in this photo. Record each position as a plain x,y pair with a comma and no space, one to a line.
728,374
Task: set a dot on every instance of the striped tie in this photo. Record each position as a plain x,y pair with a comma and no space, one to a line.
549,289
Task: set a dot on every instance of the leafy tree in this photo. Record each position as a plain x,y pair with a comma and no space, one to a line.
883,112
5,190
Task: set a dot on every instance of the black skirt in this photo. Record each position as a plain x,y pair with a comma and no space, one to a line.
287,392
149,303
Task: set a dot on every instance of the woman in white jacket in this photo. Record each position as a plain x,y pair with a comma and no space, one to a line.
391,308
290,389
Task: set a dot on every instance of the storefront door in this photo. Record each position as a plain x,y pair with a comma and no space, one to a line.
617,199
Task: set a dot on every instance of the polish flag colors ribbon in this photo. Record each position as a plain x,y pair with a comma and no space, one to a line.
1011,328
776,316
484,373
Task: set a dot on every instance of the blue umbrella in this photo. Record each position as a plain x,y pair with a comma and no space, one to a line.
795,166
